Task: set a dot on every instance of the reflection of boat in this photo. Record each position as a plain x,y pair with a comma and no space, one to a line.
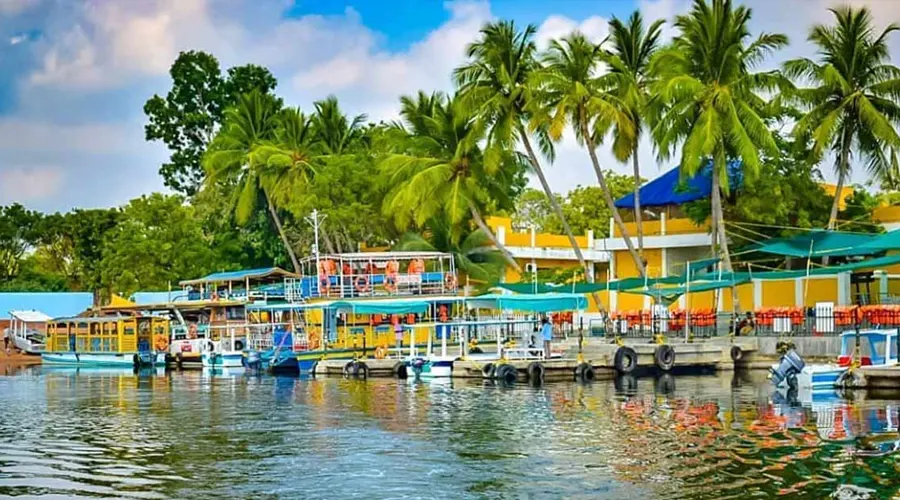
877,349
143,371
26,330
107,341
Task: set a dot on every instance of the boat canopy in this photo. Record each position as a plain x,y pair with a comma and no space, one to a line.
226,276
396,306
535,303
377,256
30,316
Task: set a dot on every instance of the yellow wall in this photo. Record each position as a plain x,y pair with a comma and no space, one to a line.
887,214
653,227
778,293
819,290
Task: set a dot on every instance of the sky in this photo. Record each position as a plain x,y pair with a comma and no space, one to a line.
74,74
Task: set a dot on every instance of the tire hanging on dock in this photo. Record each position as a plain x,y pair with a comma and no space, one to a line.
535,373
664,357
625,360
584,372
360,370
347,371
736,353
507,374
399,370
487,371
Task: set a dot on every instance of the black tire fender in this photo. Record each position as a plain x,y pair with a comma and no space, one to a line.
487,371
585,372
348,369
361,370
507,374
625,360
664,357
400,371
736,353
535,371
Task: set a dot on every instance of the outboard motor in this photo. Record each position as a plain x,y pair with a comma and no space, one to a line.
418,365
791,364
253,359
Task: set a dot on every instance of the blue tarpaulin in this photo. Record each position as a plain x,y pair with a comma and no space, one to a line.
537,303
671,188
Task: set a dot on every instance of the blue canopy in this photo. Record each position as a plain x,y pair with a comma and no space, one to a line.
536,303
671,188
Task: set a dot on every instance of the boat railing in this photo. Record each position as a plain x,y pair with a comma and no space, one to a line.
340,286
269,335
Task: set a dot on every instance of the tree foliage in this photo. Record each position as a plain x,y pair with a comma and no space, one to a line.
192,111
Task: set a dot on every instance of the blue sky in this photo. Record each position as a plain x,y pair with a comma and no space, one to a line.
74,74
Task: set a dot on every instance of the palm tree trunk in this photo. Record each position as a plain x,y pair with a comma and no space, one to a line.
479,221
328,243
719,221
638,216
609,201
277,220
554,203
843,165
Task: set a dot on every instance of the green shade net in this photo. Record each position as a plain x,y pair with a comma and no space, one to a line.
883,242
536,303
381,306
699,265
819,244
667,294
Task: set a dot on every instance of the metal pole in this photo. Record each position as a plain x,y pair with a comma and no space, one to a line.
687,302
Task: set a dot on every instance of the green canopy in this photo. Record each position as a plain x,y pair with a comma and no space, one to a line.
536,303
699,265
819,243
581,288
669,293
883,242
396,306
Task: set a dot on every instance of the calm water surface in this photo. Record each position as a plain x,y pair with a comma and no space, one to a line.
189,435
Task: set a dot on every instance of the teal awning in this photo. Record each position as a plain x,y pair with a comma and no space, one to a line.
699,265
819,243
884,242
399,306
670,293
535,303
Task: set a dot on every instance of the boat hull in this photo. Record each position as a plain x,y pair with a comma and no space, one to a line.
431,367
28,347
128,359
232,359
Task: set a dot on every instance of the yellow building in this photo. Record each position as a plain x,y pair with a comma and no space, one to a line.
671,240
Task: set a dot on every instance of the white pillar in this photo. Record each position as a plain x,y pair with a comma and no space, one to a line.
662,223
613,295
757,294
844,297
612,227
665,262
798,292
882,286
501,234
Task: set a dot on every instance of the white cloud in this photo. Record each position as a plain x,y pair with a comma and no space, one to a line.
30,184
595,28
22,135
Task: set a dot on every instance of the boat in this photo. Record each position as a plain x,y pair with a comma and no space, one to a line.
111,341
26,330
877,350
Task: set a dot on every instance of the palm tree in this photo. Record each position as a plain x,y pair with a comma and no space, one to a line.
713,107
440,169
496,82
853,104
470,249
629,80
232,157
570,94
338,134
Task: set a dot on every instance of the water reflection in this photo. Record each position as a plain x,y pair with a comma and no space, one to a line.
176,435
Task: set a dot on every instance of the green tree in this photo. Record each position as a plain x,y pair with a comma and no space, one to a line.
338,134
857,213
157,242
629,80
235,155
188,117
585,208
571,95
19,231
853,104
713,107
497,81
442,172
533,210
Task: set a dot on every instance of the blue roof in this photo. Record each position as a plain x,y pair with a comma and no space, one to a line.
671,189
239,275
53,304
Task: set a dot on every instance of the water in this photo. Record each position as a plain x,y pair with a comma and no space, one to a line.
188,435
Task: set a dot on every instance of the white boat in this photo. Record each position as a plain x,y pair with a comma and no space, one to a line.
225,353
27,331
877,349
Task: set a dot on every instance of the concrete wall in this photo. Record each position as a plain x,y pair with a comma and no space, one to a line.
813,347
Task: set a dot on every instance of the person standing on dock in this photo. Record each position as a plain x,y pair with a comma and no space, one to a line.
398,335
547,335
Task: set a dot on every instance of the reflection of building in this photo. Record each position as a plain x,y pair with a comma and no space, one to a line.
671,240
